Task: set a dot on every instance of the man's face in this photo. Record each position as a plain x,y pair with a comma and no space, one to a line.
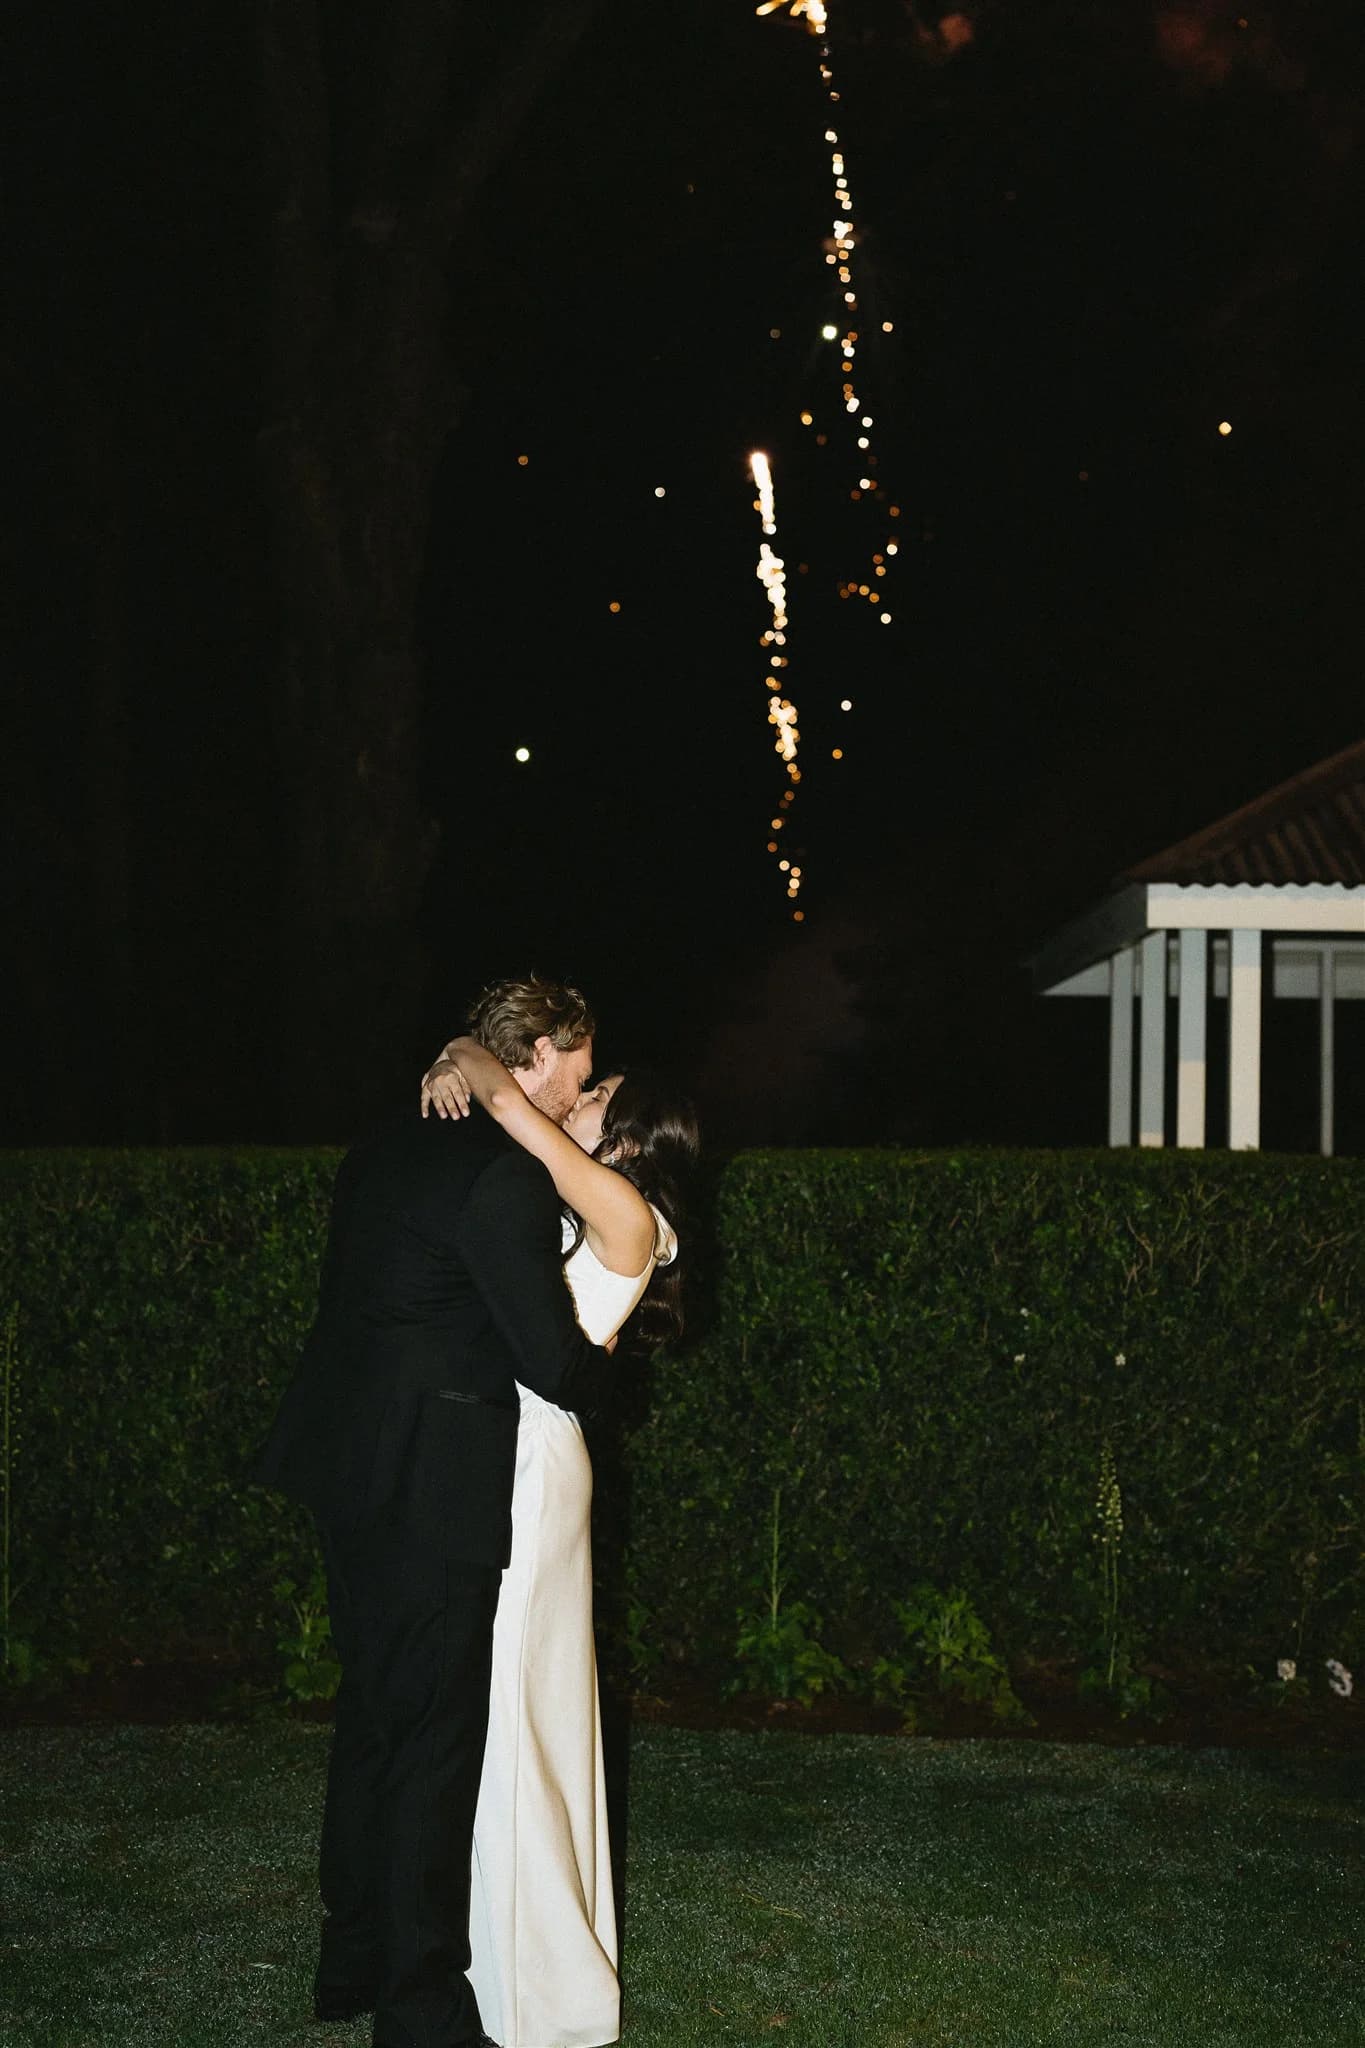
554,1079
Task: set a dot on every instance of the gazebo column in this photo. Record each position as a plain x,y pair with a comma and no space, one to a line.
1327,990
1191,1085
1121,1047
1244,1041
1152,1069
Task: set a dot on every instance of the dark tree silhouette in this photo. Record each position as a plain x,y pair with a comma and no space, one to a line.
381,130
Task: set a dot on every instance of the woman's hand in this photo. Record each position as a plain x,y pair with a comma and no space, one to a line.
445,1089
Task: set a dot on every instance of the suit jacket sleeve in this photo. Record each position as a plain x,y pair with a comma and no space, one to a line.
508,1234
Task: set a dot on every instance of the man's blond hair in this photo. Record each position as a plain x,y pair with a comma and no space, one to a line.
511,1015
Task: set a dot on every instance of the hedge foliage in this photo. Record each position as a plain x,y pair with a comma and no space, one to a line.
929,1353
161,1299
925,1354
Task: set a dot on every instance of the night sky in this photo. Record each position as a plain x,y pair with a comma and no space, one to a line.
1098,231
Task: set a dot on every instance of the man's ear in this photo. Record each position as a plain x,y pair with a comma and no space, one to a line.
541,1052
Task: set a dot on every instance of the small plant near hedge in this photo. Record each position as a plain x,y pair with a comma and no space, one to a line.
311,1669
1114,1677
1290,1685
777,1651
947,1652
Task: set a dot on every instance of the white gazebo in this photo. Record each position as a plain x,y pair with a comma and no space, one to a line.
1273,894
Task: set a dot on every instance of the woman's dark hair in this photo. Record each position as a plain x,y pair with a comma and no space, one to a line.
650,1137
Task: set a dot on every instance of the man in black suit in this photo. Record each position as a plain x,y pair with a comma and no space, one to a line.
443,1286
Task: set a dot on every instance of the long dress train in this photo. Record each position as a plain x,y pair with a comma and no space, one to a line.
542,1923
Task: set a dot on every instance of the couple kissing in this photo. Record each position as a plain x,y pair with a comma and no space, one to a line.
486,1248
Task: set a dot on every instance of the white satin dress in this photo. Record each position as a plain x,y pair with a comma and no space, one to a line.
542,1915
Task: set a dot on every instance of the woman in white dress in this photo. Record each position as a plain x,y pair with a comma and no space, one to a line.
542,1913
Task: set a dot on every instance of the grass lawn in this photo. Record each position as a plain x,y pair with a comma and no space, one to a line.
851,1892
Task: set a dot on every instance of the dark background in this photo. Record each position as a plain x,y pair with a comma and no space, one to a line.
1098,229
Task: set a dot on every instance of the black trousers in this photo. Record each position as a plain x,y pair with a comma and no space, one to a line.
414,1634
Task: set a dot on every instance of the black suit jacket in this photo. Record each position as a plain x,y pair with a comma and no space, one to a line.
443,1285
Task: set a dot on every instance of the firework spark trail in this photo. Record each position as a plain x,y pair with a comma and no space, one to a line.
782,713
839,249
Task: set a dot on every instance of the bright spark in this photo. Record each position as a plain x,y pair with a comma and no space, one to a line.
814,10
760,469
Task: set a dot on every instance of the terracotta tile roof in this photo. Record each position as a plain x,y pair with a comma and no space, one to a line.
1309,829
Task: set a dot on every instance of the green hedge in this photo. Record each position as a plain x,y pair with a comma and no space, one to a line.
161,1299
926,1353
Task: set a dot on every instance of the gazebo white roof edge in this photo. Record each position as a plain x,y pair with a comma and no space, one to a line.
1158,939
